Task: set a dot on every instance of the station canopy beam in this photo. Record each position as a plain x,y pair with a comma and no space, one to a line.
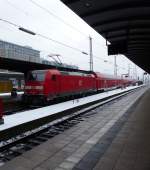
25,66
123,23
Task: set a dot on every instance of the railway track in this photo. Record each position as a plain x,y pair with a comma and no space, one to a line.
18,145
12,106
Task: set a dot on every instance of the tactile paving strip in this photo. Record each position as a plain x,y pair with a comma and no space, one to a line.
90,160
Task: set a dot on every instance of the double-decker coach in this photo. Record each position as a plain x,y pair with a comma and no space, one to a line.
107,82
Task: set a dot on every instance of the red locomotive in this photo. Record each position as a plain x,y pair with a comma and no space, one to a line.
46,85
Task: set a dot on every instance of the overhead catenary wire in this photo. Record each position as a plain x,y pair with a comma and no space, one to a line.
27,14
43,36
63,21
57,17
52,14
17,8
63,44
111,63
9,22
50,39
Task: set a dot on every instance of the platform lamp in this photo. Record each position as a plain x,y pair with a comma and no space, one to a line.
26,31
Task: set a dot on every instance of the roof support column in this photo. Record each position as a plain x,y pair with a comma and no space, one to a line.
91,54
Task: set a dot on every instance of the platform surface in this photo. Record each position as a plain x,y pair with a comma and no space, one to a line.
113,137
19,118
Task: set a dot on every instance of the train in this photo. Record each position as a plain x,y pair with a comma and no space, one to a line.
42,86
11,81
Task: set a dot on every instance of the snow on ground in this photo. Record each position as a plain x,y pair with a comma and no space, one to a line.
27,116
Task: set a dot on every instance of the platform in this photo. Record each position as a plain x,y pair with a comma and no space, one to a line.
22,120
115,136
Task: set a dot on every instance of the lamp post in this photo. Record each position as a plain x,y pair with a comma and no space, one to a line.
115,66
91,54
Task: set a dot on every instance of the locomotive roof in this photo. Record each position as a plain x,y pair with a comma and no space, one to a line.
64,72
75,73
98,74
103,75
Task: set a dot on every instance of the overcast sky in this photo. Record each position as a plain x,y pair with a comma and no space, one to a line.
58,22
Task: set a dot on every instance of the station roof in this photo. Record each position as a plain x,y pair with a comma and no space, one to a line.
24,66
123,23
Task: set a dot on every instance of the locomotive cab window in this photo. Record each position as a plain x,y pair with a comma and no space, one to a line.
36,76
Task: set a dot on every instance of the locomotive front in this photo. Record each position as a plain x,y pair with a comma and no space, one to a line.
41,86
34,86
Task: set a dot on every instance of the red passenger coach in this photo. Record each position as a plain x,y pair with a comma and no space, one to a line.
106,82
49,84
